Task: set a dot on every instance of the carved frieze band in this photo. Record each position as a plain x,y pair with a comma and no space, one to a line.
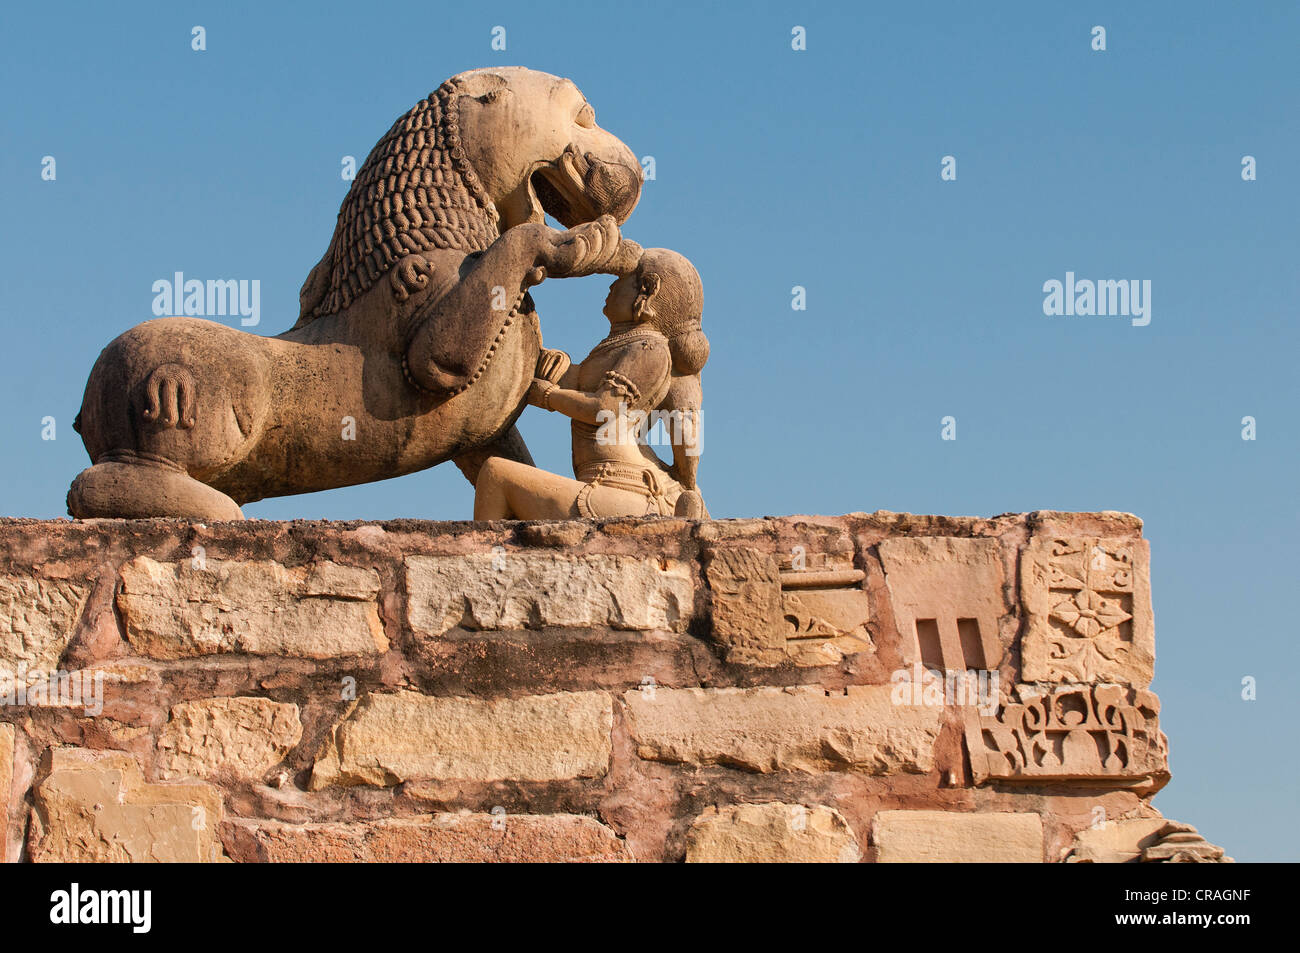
1069,732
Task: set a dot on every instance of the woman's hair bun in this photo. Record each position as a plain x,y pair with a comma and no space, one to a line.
690,349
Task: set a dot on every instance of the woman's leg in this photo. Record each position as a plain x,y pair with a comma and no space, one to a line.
510,490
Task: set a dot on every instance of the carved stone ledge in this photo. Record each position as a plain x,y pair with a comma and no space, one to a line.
1144,840
1182,844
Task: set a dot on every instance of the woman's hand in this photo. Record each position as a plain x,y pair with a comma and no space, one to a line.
551,365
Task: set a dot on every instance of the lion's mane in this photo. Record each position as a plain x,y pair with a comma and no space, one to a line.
416,191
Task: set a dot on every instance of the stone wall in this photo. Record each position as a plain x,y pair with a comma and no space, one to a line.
650,690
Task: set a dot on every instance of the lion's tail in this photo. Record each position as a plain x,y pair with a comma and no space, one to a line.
169,396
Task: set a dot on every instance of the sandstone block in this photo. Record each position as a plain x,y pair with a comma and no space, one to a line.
825,623
949,837
771,833
745,604
790,729
6,782
388,739
530,590
176,610
439,838
826,607
237,737
97,807
1144,840
37,618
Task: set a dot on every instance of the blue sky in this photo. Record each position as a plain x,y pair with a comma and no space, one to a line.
776,168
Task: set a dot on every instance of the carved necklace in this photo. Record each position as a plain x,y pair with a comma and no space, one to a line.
639,332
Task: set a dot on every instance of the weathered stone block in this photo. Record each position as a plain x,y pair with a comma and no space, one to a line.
6,783
771,833
790,729
530,590
37,618
388,739
439,838
177,610
949,837
1088,607
745,605
235,737
96,807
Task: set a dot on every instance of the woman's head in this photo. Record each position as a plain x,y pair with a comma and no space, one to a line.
671,298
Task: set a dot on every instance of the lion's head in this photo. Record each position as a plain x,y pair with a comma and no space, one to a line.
487,150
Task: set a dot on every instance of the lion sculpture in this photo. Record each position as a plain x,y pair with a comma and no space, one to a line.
416,328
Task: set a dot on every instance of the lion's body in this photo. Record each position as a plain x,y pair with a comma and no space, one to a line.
347,387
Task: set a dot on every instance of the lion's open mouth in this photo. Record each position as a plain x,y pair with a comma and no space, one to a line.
553,202
561,189
578,188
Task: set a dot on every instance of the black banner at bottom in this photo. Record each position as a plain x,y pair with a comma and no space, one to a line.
384,903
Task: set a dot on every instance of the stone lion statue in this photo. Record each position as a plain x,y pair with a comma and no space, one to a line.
416,328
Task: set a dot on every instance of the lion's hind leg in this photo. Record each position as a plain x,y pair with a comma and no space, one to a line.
142,489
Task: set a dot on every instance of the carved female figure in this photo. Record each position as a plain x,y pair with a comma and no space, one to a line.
646,370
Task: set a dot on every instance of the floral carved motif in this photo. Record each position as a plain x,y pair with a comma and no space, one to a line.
1089,614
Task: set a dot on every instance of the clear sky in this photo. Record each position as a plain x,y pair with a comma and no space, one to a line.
775,168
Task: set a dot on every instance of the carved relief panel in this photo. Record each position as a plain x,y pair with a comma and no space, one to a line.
948,599
810,611
1088,607
825,609
1075,731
